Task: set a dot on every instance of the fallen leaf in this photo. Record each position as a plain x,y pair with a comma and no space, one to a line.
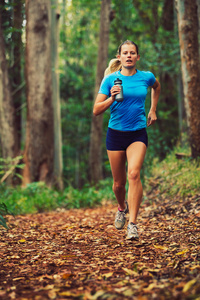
107,275
52,294
128,292
153,285
182,252
153,270
176,263
130,272
195,267
67,275
188,285
22,241
160,247
97,295
68,294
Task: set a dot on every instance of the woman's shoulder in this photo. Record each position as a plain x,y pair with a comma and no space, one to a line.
148,75
145,73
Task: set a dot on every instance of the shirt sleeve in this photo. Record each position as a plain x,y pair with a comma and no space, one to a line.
105,86
151,79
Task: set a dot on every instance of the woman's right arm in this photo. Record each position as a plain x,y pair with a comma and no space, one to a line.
102,103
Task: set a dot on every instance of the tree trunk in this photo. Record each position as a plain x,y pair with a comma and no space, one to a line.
198,4
56,96
16,66
189,49
8,132
95,156
39,150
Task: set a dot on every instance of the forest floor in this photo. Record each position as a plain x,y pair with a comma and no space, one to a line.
78,254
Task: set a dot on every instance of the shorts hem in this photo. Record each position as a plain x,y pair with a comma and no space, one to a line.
121,140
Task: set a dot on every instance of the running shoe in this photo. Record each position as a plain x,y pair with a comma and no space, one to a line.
132,233
120,218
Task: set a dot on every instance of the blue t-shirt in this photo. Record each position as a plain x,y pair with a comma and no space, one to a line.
128,115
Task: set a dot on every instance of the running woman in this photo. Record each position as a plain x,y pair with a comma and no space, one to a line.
127,139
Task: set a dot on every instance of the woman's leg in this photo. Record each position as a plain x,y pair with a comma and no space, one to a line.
135,157
118,167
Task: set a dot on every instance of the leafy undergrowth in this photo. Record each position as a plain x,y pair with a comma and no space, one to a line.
174,177
78,254
37,197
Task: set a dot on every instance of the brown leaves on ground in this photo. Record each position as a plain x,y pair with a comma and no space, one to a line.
78,254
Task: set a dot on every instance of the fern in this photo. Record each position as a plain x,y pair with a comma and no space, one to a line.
4,211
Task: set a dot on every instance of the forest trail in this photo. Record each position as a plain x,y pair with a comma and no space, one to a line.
78,254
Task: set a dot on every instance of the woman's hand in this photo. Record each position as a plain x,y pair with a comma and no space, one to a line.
151,118
114,91
155,92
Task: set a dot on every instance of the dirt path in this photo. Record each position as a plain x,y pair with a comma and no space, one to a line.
78,254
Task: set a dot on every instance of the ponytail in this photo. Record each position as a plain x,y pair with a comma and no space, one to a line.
114,65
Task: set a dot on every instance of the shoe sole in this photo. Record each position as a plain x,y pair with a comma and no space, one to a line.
132,238
119,228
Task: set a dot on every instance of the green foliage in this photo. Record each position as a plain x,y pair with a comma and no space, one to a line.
10,166
87,196
37,197
78,55
174,177
3,212
3,222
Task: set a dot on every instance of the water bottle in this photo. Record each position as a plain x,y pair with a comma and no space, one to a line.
119,97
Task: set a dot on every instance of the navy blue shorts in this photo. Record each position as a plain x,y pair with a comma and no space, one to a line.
120,140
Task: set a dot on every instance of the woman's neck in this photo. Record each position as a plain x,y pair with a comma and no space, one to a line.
128,72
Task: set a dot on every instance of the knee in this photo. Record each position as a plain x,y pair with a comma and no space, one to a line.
134,175
118,186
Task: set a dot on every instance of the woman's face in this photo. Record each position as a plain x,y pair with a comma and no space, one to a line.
128,56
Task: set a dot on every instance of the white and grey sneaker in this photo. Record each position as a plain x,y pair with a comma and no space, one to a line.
132,233
120,218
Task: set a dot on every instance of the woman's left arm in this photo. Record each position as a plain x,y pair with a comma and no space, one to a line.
155,92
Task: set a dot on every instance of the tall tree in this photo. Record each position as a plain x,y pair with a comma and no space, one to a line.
198,4
95,156
16,67
58,164
8,134
189,49
39,149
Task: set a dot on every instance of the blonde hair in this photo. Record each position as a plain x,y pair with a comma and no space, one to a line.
115,64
